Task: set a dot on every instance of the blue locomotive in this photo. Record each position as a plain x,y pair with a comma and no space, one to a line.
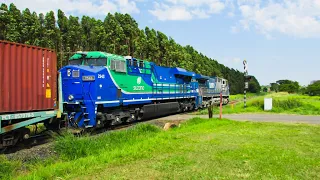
99,89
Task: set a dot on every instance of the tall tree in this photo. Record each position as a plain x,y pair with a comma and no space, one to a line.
50,32
114,35
74,34
4,21
163,47
63,25
14,25
153,51
36,29
28,29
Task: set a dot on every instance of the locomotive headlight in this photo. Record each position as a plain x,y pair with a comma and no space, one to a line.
70,97
69,72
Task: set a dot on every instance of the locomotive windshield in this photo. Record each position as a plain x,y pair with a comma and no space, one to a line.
75,62
95,62
89,62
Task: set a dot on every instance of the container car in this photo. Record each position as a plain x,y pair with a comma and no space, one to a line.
28,89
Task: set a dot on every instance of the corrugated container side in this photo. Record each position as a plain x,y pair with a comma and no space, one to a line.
28,78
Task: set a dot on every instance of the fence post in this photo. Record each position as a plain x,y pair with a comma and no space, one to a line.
210,108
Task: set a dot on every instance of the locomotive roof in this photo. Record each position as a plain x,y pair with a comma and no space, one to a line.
200,76
97,54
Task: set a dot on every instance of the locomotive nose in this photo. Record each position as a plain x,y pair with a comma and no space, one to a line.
79,82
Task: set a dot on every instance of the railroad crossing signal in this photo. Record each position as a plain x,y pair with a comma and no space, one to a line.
246,82
245,67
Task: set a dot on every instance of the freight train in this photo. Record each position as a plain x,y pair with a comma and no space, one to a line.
96,89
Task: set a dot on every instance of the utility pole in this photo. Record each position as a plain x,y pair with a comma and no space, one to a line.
246,83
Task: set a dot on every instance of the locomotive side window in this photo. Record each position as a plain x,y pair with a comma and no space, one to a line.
135,63
141,64
112,64
118,65
129,62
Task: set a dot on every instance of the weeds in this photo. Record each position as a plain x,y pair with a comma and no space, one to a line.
7,168
71,147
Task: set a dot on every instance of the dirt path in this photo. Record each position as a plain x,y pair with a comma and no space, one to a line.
252,117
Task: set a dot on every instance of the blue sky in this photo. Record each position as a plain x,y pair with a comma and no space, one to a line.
280,39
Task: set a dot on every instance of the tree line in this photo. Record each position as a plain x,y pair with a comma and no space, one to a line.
117,34
313,89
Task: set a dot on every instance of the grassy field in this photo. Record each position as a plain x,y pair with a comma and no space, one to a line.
239,97
282,103
198,149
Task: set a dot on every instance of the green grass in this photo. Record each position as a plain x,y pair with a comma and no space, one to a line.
282,103
7,167
239,97
199,149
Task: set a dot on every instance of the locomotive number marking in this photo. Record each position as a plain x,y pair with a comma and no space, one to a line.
138,88
101,76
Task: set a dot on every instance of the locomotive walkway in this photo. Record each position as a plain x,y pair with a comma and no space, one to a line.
282,118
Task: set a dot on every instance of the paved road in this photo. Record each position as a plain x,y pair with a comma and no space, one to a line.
255,117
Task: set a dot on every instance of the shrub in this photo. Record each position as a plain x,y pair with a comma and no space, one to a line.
287,104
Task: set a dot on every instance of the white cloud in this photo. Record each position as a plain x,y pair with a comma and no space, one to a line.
200,13
216,7
251,2
231,14
164,12
186,9
299,18
126,6
234,29
232,62
236,60
82,7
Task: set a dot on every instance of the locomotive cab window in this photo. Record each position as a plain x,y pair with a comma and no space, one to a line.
75,62
95,62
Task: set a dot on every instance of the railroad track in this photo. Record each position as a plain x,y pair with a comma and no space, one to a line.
28,143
